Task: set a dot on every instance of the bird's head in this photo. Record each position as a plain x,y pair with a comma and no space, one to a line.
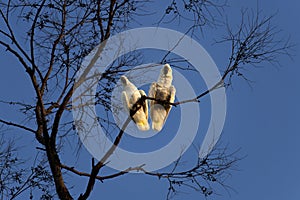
166,70
124,80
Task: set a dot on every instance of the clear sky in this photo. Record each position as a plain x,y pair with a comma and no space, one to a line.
263,120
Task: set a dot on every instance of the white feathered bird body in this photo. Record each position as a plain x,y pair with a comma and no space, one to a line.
161,90
130,95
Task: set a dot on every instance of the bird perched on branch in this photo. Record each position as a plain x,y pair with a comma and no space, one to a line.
130,96
164,92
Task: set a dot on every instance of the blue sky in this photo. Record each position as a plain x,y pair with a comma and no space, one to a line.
263,120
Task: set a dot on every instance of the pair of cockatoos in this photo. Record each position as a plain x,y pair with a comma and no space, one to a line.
162,90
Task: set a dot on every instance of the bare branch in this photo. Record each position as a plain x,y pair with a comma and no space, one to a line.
17,125
255,42
102,178
197,13
214,168
101,163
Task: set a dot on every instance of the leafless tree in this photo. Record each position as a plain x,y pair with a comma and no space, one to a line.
61,33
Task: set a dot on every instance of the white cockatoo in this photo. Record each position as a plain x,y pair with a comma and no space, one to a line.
165,91
130,95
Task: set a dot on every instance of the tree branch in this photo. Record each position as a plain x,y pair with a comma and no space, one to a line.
102,178
17,125
101,163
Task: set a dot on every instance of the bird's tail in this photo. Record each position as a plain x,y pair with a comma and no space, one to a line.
158,115
157,126
143,125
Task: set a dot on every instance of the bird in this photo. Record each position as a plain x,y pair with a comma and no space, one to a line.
130,95
162,90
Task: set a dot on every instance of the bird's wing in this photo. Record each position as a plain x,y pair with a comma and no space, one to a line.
125,101
172,94
152,93
141,116
171,99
